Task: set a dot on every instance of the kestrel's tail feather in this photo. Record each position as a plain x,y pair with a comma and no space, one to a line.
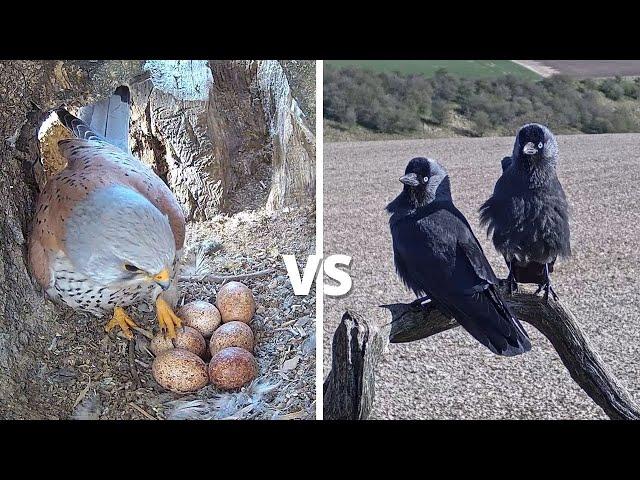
77,126
105,120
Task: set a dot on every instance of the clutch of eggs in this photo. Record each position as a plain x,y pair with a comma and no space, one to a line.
221,330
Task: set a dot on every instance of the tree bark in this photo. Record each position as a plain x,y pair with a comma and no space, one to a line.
301,75
293,144
345,398
170,132
27,321
238,123
220,145
349,389
252,103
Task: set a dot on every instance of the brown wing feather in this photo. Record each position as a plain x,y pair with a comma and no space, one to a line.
39,263
47,230
91,165
100,163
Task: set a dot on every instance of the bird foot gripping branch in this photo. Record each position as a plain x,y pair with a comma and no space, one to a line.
532,236
436,252
547,289
359,343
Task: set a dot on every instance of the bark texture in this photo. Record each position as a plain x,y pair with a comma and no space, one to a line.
223,130
28,322
170,131
293,144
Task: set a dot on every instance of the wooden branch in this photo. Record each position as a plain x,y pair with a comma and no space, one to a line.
410,323
226,278
132,364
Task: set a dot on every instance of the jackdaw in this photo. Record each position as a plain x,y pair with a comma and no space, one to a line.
528,214
436,254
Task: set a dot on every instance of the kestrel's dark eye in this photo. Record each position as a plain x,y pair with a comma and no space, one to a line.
131,268
540,145
425,179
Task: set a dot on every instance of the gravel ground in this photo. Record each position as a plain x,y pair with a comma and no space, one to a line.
451,376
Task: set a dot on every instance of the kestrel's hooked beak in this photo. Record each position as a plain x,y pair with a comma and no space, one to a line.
163,279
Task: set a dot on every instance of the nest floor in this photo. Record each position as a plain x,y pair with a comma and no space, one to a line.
89,374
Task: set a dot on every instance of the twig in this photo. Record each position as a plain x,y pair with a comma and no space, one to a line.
132,364
144,332
225,278
141,411
82,394
556,323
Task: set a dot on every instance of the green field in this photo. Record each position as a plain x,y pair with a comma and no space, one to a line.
462,68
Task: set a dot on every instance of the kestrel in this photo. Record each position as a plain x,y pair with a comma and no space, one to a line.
107,231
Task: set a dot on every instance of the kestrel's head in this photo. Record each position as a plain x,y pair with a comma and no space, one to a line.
116,237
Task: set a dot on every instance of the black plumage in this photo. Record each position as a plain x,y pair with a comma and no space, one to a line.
436,254
528,214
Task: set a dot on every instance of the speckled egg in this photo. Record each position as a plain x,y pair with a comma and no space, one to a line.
232,334
235,302
232,368
190,339
186,337
180,371
160,343
201,315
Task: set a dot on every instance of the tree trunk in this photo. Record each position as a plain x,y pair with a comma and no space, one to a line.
170,132
293,144
238,141
27,321
238,124
263,121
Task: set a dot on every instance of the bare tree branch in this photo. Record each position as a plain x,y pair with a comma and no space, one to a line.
356,353
226,278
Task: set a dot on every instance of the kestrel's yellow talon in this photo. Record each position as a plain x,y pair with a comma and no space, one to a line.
122,320
166,318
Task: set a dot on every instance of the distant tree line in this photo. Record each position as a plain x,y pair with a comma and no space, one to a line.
399,103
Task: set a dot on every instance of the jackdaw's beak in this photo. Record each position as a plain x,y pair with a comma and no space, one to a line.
530,149
410,179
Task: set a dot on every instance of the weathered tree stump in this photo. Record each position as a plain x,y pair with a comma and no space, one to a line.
358,345
219,128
